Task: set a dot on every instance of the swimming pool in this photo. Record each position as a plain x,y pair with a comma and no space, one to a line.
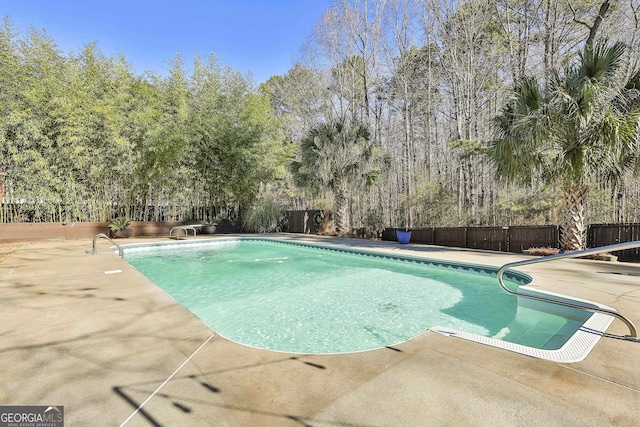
288,296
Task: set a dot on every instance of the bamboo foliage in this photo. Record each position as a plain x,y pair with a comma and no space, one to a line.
82,138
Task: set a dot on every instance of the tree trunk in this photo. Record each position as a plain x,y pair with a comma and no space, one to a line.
573,230
342,207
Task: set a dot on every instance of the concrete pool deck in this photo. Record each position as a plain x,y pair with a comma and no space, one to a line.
90,333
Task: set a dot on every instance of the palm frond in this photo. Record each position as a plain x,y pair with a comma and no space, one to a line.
586,121
602,62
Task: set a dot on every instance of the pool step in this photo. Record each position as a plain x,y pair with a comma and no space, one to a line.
537,334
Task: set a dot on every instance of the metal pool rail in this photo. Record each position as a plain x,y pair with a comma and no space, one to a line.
95,239
633,336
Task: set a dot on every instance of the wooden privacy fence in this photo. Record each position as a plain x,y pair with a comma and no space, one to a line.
503,239
308,221
33,231
518,239
609,234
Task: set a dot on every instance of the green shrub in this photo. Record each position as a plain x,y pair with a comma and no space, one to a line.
119,223
266,215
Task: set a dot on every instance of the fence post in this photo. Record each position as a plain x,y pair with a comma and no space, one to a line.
466,237
506,231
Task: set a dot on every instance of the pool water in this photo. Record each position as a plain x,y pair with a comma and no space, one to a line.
304,299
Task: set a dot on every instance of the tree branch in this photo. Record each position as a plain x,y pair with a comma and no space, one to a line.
593,29
575,17
597,22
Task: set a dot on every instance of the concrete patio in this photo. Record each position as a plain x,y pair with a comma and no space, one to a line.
90,333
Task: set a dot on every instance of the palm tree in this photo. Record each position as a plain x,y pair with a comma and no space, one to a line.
584,123
341,157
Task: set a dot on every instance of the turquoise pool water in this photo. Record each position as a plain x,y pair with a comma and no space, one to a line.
299,298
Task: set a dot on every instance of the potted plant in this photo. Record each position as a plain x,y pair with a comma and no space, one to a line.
403,236
120,227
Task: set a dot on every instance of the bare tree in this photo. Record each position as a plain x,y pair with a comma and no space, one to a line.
301,99
517,21
403,91
428,76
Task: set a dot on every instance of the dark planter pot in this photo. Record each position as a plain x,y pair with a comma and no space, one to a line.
124,234
403,237
208,229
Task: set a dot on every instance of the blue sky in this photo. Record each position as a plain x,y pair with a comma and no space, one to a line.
261,36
